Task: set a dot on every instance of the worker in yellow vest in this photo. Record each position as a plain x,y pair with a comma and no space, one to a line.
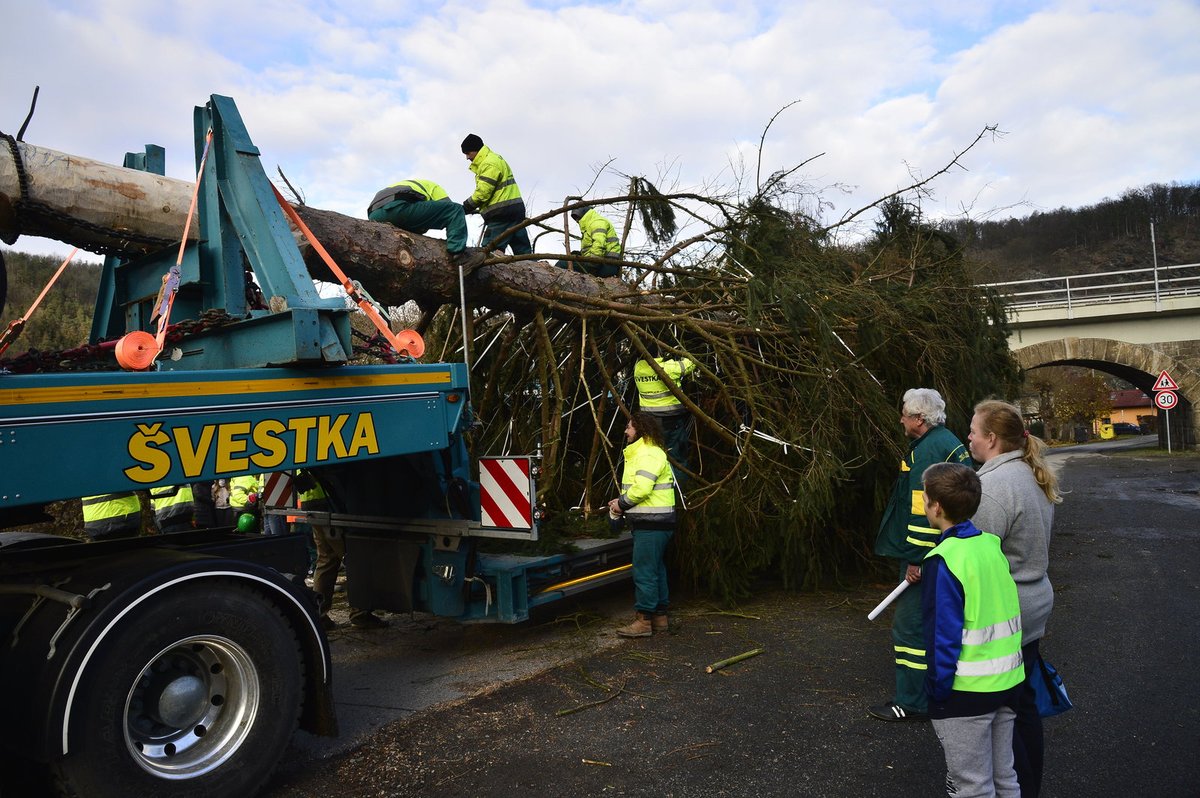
655,397
112,515
496,197
647,503
419,206
173,508
597,239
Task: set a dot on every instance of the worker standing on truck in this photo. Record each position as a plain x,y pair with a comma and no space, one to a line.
331,550
496,197
597,239
655,398
419,206
647,502
173,508
112,515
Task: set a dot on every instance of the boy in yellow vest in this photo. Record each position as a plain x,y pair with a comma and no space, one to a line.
972,639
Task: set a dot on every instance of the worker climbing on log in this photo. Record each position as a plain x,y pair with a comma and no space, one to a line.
419,206
655,397
647,503
496,198
598,239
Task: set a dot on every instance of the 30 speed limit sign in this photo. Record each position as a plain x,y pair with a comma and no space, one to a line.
1166,400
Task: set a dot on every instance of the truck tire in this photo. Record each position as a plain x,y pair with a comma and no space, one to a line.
196,692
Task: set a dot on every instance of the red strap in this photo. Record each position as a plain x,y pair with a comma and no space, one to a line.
347,285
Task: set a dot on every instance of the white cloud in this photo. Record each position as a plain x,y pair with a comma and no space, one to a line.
346,98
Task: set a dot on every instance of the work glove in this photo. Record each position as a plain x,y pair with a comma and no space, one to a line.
469,206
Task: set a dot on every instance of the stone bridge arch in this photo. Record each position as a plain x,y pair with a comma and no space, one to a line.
1139,364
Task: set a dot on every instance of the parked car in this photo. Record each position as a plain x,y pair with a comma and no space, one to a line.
1125,428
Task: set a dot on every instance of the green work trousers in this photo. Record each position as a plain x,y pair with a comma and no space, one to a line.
908,642
677,430
518,242
421,217
595,269
650,592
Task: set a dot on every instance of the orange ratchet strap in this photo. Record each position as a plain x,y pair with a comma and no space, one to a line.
14,328
137,351
406,341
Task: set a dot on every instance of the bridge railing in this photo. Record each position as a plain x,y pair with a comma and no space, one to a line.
1129,285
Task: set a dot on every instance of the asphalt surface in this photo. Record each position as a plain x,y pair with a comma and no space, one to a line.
584,716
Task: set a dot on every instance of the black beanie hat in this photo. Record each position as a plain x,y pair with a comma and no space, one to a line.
472,143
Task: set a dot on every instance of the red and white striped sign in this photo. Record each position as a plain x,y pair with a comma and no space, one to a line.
278,490
505,492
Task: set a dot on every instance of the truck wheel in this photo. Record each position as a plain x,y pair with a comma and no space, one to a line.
197,692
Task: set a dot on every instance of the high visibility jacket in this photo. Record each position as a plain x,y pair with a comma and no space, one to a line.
313,494
240,489
109,513
976,624
408,191
496,193
171,502
647,487
904,532
653,394
598,236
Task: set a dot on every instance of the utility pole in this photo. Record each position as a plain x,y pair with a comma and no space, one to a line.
1154,255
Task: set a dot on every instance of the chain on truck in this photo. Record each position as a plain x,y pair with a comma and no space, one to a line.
181,664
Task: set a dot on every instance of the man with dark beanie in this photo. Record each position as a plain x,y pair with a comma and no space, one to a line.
496,198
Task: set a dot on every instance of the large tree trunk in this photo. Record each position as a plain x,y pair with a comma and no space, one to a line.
104,208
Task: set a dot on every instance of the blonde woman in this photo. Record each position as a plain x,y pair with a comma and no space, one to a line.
1019,495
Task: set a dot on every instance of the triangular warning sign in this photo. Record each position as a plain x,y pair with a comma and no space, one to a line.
1165,383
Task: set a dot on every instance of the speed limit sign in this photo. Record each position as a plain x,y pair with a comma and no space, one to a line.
1166,400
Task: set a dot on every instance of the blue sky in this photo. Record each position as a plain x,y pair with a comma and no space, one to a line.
1093,97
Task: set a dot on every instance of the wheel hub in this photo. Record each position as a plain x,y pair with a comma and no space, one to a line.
191,707
183,702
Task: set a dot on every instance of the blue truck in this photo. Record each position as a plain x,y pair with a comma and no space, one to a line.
180,665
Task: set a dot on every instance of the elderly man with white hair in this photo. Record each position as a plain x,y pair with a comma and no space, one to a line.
905,534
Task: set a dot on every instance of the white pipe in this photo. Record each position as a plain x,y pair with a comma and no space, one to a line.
883,605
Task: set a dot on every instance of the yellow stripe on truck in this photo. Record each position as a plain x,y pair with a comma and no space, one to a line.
168,390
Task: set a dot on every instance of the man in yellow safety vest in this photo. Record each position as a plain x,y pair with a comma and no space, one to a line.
496,197
112,515
597,239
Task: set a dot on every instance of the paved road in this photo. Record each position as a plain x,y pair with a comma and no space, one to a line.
792,721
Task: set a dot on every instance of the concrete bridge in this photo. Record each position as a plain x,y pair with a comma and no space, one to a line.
1132,324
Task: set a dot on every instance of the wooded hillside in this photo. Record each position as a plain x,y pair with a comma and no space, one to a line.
64,319
1112,235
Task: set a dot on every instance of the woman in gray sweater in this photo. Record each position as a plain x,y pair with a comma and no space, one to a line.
1019,494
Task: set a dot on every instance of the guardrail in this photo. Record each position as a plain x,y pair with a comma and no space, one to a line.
1130,285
